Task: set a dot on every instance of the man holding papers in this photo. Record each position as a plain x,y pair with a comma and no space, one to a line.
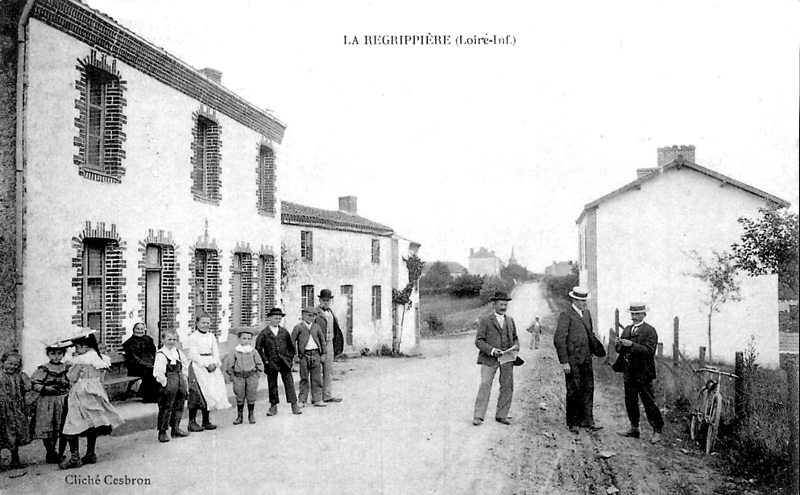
498,345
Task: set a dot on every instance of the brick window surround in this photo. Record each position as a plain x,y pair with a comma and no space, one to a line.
206,282
99,284
306,245
376,250
101,119
306,296
169,268
376,302
241,271
265,172
206,157
266,284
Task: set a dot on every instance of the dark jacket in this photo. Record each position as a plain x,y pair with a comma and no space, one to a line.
338,339
275,349
140,355
572,337
491,336
641,354
301,333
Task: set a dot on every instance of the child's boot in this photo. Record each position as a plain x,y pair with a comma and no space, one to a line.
239,418
207,424
51,457
296,408
90,457
273,410
74,459
251,414
193,426
162,437
15,462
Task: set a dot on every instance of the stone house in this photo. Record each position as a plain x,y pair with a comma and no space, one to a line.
134,187
635,244
361,262
484,262
559,268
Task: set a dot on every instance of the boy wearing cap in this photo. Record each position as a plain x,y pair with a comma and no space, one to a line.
575,341
243,365
277,351
310,344
637,346
171,371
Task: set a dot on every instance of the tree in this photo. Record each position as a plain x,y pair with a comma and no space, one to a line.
770,245
722,285
515,272
437,279
466,286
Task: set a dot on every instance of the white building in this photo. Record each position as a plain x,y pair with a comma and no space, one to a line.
484,262
146,190
360,262
635,243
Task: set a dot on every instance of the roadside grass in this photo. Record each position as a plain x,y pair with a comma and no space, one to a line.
457,314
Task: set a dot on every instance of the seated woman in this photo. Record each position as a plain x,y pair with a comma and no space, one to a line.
140,355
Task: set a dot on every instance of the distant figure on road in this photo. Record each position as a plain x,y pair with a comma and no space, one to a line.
575,344
496,335
536,333
637,346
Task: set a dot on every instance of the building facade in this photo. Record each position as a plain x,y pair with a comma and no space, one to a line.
484,262
560,269
360,262
145,190
636,243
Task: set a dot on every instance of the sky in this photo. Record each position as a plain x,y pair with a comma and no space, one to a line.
458,146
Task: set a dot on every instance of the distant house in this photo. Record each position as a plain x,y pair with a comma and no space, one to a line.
789,343
484,262
634,244
455,269
560,269
360,261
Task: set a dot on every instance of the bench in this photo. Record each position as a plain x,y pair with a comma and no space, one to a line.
117,383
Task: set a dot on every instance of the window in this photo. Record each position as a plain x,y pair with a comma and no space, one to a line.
202,281
306,296
266,181
206,286
96,97
376,302
266,283
206,159
93,304
376,251
236,286
306,245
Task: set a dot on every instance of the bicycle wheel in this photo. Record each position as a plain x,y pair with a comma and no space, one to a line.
697,417
713,422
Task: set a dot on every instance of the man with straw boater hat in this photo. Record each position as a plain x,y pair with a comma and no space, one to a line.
637,350
575,344
496,336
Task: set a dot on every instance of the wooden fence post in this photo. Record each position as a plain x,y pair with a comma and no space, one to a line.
794,412
739,399
660,350
702,355
616,322
675,342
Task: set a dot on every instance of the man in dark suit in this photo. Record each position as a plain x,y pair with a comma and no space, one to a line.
637,346
277,351
334,342
574,340
496,335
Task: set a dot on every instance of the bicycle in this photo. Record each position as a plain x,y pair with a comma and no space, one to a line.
709,409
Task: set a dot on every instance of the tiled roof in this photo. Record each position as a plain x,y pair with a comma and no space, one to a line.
677,164
789,342
307,216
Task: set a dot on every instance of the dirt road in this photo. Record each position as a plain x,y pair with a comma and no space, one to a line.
405,426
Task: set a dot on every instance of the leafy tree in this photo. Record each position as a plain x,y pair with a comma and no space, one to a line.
437,279
466,286
722,285
493,284
770,245
515,272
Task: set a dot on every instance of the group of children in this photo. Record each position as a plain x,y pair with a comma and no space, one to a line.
59,403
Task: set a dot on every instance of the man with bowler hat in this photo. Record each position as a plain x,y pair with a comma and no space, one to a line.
334,343
496,335
637,346
310,343
575,341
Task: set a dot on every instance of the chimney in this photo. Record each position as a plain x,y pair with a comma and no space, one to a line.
667,154
641,172
213,74
471,252
347,204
